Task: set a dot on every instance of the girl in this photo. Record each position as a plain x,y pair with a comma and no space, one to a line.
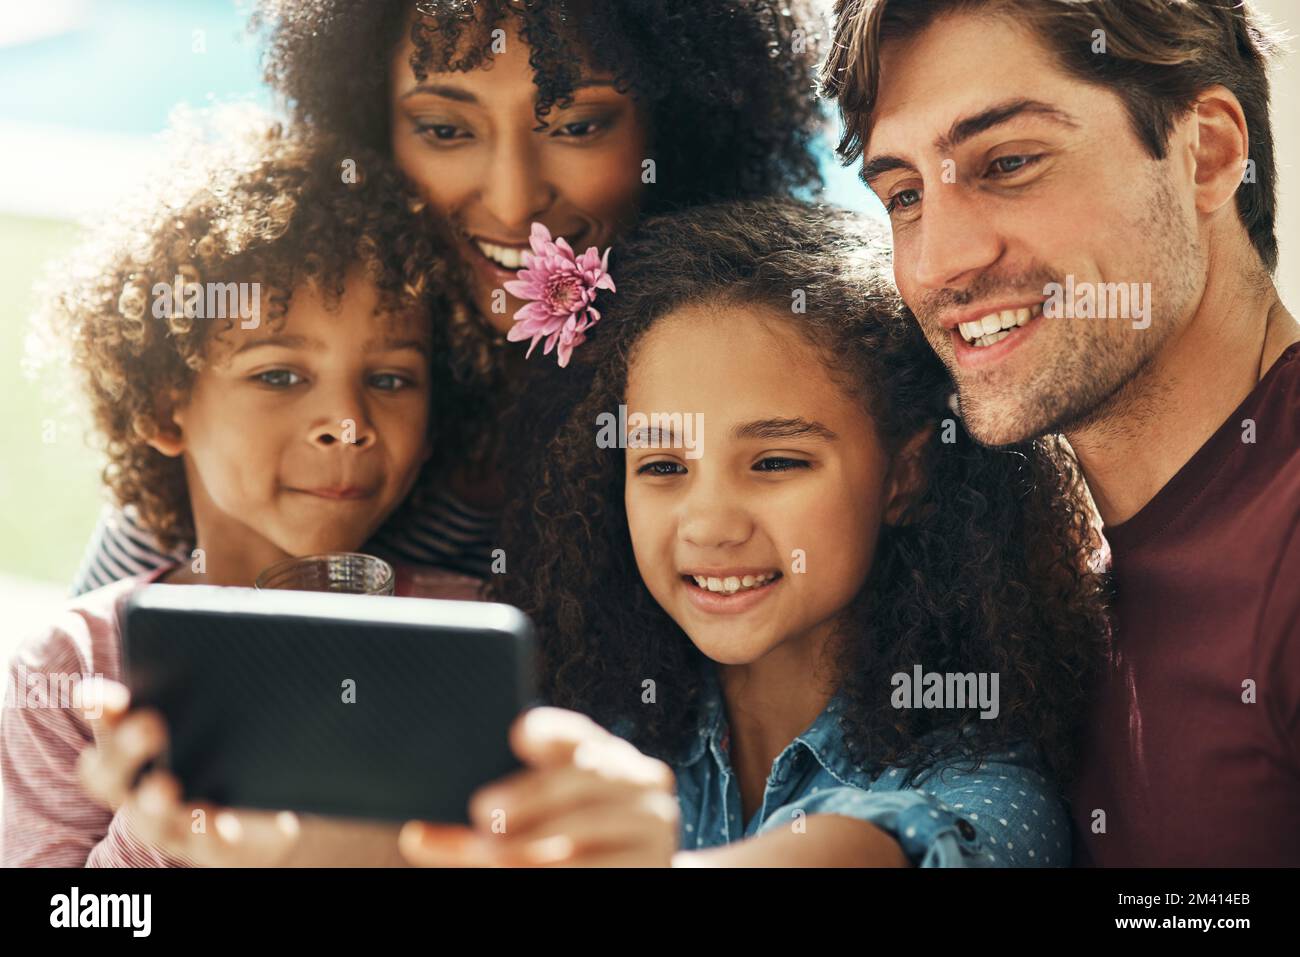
291,420
855,636
581,116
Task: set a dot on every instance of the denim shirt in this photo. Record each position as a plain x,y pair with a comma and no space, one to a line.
1003,815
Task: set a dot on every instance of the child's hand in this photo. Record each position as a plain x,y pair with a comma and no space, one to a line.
586,799
127,740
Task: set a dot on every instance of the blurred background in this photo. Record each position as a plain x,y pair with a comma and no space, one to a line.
85,87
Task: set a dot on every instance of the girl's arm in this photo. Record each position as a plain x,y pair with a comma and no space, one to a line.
1003,814
826,840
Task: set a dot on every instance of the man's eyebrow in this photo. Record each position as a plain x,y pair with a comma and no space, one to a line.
795,428
461,95
284,342
878,166
966,128
970,126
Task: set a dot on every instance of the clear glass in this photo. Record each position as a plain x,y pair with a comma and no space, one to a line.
350,572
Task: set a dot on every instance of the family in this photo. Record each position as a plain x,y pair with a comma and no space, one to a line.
912,468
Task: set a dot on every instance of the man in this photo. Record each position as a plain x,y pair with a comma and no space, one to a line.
1082,197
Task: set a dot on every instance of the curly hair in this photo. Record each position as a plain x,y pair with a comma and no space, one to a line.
729,83
262,203
988,571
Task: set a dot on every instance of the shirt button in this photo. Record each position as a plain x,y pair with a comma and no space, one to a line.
965,829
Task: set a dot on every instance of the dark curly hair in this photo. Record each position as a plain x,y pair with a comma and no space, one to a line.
259,203
729,84
988,571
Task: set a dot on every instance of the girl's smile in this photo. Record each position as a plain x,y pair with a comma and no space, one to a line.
730,594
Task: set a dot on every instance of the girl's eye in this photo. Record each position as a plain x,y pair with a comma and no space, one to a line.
1009,165
278,378
779,464
390,381
661,468
905,199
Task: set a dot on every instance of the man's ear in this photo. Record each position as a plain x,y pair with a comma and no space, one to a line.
1220,148
907,476
169,440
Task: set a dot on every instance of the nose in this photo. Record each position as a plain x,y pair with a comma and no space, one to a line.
957,238
516,189
713,516
344,422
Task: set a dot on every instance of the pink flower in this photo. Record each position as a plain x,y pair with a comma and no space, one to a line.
562,287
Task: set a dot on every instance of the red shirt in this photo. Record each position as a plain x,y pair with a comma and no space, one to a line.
1193,751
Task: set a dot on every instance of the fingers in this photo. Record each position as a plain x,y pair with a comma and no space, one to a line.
521,801
547,737
442,845
647,826
208,835
125,745
103,702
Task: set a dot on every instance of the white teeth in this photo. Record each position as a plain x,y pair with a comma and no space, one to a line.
505,256
732,584
996,325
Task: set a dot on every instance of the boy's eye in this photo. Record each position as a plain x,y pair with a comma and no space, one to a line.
661,468
278,378
390,381
777,463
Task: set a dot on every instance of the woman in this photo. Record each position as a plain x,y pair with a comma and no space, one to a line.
582,116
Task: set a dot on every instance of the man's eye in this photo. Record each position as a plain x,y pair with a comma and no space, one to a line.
661,468
905,199
779,464
278,378
389,381
1006,165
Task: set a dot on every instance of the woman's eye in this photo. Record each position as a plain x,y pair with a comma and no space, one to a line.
661,468
1006,165
440,131
390,381
580,128
779,464
904,199
278,378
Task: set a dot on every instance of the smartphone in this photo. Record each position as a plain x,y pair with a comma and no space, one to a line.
347,705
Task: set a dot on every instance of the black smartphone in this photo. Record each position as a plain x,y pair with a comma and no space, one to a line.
349,705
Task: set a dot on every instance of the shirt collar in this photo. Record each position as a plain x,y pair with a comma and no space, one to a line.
823,738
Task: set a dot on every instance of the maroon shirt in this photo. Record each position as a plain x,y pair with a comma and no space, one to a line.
1207,596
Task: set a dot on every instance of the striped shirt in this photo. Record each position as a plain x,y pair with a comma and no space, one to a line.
48,819
437,530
